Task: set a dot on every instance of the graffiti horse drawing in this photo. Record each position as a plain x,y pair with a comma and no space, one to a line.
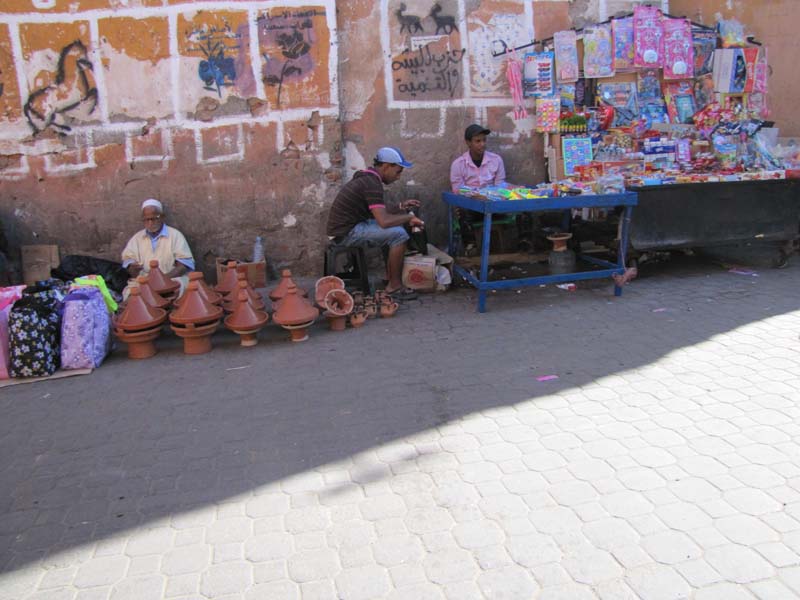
73,87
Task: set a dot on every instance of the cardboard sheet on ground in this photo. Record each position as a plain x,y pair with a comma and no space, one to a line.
56,375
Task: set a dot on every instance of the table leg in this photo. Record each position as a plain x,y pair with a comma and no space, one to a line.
450,247
487,241
623,243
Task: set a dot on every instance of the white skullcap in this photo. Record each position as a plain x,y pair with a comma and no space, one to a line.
154,203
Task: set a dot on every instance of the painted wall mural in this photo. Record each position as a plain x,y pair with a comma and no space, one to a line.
100,66
438,54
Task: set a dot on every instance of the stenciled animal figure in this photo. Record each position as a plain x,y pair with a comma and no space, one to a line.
410,23
72,87
444,23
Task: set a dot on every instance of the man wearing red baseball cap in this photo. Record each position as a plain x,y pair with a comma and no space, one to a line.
360,217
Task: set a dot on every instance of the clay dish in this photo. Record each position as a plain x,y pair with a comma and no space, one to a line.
159,282
140,343
388,309
559,241
325,285
243,292
196,339
206,292
336,322
338,302
245,321
138,315
357,319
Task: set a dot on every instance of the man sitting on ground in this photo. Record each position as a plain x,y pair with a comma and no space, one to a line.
360,217
158,241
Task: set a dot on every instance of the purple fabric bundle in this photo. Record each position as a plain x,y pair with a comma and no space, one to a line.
85,330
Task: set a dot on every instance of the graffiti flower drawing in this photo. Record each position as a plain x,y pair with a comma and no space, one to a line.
294,47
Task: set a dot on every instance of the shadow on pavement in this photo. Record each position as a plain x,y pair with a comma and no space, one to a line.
135,442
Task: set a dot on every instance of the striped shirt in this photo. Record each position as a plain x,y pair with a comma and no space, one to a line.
464,173
354,202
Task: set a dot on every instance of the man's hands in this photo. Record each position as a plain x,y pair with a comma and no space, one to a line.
134,269
416,222
408,204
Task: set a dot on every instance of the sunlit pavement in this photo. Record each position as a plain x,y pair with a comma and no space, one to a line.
431,455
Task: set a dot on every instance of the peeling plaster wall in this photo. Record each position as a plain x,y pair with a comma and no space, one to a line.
245,116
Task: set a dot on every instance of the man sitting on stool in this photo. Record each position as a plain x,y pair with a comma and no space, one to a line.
360,217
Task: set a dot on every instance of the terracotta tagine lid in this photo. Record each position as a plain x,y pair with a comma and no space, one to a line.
325,285
233,295
244,291
229,279
282,288
148,295
138,314
294,309
559,241
246,321
159,282
339,302
206,292
194,309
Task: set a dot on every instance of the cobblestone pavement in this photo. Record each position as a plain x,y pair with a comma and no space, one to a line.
420,458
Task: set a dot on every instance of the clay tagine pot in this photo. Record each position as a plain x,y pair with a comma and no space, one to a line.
245,321
138,315
159,282
256,303
209,295
559,241
295,314
370,308
280,290
195,321
325,285
140,343
229,279
388,309
139,325
148,295
357,319
339,304
233,295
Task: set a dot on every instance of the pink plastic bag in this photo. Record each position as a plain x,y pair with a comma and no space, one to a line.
8,296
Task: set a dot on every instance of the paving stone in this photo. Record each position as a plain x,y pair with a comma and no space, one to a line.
507,583
671,547
105,570
657,582
363,583
149,587
590,566
277,590
186,559
226,578
738,564
312,565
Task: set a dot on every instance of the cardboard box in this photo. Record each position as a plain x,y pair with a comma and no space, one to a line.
419,272
256,272
37,260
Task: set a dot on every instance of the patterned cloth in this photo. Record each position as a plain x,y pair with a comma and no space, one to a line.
34,326
85,330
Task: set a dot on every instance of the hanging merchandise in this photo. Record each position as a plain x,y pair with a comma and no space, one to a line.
566,92
577,151
681,104
598,55
514,76
648,37
704,90
548,111
538,74
704,42
621,96
622,30
732,32
678,49
566,51
762,70
649,86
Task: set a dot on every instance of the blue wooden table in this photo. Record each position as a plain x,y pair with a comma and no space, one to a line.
491,207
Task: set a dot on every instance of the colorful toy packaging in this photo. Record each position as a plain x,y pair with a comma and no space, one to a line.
648,37
566,51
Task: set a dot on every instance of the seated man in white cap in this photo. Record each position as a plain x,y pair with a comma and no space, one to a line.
360,217
158,241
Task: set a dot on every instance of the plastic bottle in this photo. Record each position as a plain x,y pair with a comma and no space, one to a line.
258,250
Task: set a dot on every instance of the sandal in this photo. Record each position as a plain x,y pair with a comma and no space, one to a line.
403,294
